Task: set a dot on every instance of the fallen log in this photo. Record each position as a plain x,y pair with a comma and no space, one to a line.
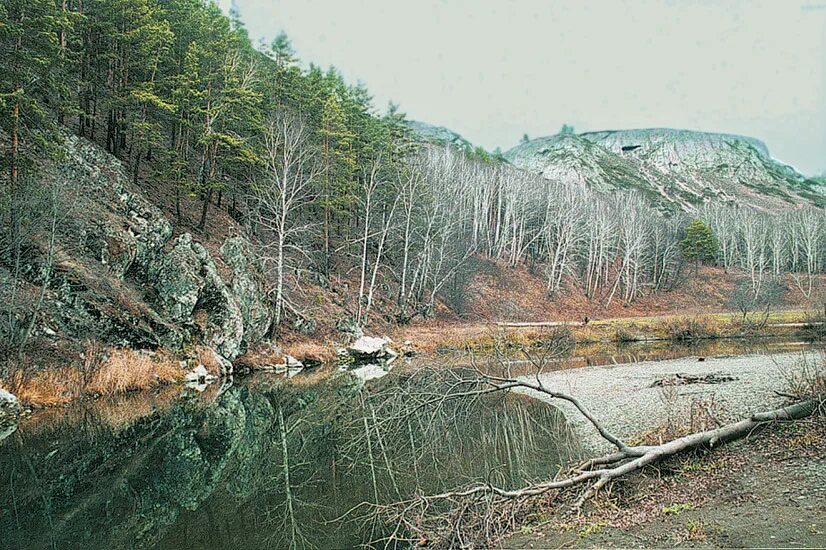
629,459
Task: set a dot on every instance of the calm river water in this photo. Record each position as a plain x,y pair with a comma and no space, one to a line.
265,463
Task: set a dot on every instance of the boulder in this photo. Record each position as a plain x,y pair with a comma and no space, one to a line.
191,292
292,363
10,410
199,375
369,347
247,289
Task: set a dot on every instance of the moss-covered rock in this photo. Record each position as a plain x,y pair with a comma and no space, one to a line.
247,288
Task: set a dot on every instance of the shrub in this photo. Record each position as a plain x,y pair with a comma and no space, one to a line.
685,329
623,334
808,381
746,299
815,325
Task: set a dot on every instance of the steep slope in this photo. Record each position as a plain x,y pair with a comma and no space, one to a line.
676,168
124,275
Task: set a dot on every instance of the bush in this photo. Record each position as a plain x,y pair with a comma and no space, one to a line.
624,335
746,299
685,329
809,380
815,325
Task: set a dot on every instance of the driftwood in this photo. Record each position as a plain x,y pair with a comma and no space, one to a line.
482,507
601,470
685,379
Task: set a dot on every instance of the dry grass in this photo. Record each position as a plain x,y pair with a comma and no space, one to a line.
99,372
683,417
809,380
50,387
312,354
685,329
259,358
441,336
206,357
127,370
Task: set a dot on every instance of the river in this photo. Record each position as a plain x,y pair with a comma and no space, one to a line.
266,462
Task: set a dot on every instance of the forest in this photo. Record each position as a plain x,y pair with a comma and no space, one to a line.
327,186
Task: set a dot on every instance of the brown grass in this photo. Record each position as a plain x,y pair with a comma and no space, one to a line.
45,388
206,356
98,373
685,329
259,358
808,381
127,370
683,417
311,353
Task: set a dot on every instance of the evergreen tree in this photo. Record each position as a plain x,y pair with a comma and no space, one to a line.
338,166
699,243
29,83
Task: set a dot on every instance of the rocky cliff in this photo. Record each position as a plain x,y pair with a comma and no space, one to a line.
675,168
124,275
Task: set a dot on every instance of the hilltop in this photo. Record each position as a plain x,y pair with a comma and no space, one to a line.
673,168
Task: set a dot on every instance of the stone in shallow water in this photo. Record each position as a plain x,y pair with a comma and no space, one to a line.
10,410
368,372
369,347
199,374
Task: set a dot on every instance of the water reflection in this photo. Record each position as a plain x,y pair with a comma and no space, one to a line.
260,465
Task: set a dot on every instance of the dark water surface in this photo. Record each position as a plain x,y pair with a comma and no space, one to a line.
263,464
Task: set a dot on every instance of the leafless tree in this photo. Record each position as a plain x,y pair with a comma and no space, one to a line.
284,190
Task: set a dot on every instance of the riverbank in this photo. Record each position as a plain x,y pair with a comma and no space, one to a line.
114,371
445,336
766,491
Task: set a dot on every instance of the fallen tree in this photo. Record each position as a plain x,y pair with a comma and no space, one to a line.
478,514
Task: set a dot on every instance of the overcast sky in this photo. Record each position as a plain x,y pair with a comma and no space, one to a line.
493,70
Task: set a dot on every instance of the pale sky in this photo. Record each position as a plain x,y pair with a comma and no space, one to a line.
493,70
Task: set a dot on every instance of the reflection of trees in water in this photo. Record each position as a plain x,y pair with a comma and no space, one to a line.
397,446
265,468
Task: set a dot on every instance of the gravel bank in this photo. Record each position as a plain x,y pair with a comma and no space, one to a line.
622,398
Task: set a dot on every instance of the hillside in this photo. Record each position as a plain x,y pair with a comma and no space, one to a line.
674,168
123,273
438,135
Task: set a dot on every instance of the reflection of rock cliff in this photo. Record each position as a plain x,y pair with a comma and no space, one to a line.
122,490
124,277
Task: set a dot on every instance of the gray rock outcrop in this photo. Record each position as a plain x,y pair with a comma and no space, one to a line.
126,279
673,168
247,289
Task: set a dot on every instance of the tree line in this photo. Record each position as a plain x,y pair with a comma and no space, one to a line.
328,187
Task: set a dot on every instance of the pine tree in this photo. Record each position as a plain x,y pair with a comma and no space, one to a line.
338,166
699,243
29,51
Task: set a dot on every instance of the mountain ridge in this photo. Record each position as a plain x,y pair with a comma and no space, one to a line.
673,167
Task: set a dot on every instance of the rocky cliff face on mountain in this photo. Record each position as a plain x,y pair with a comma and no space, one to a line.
438,135
122,275
674,168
